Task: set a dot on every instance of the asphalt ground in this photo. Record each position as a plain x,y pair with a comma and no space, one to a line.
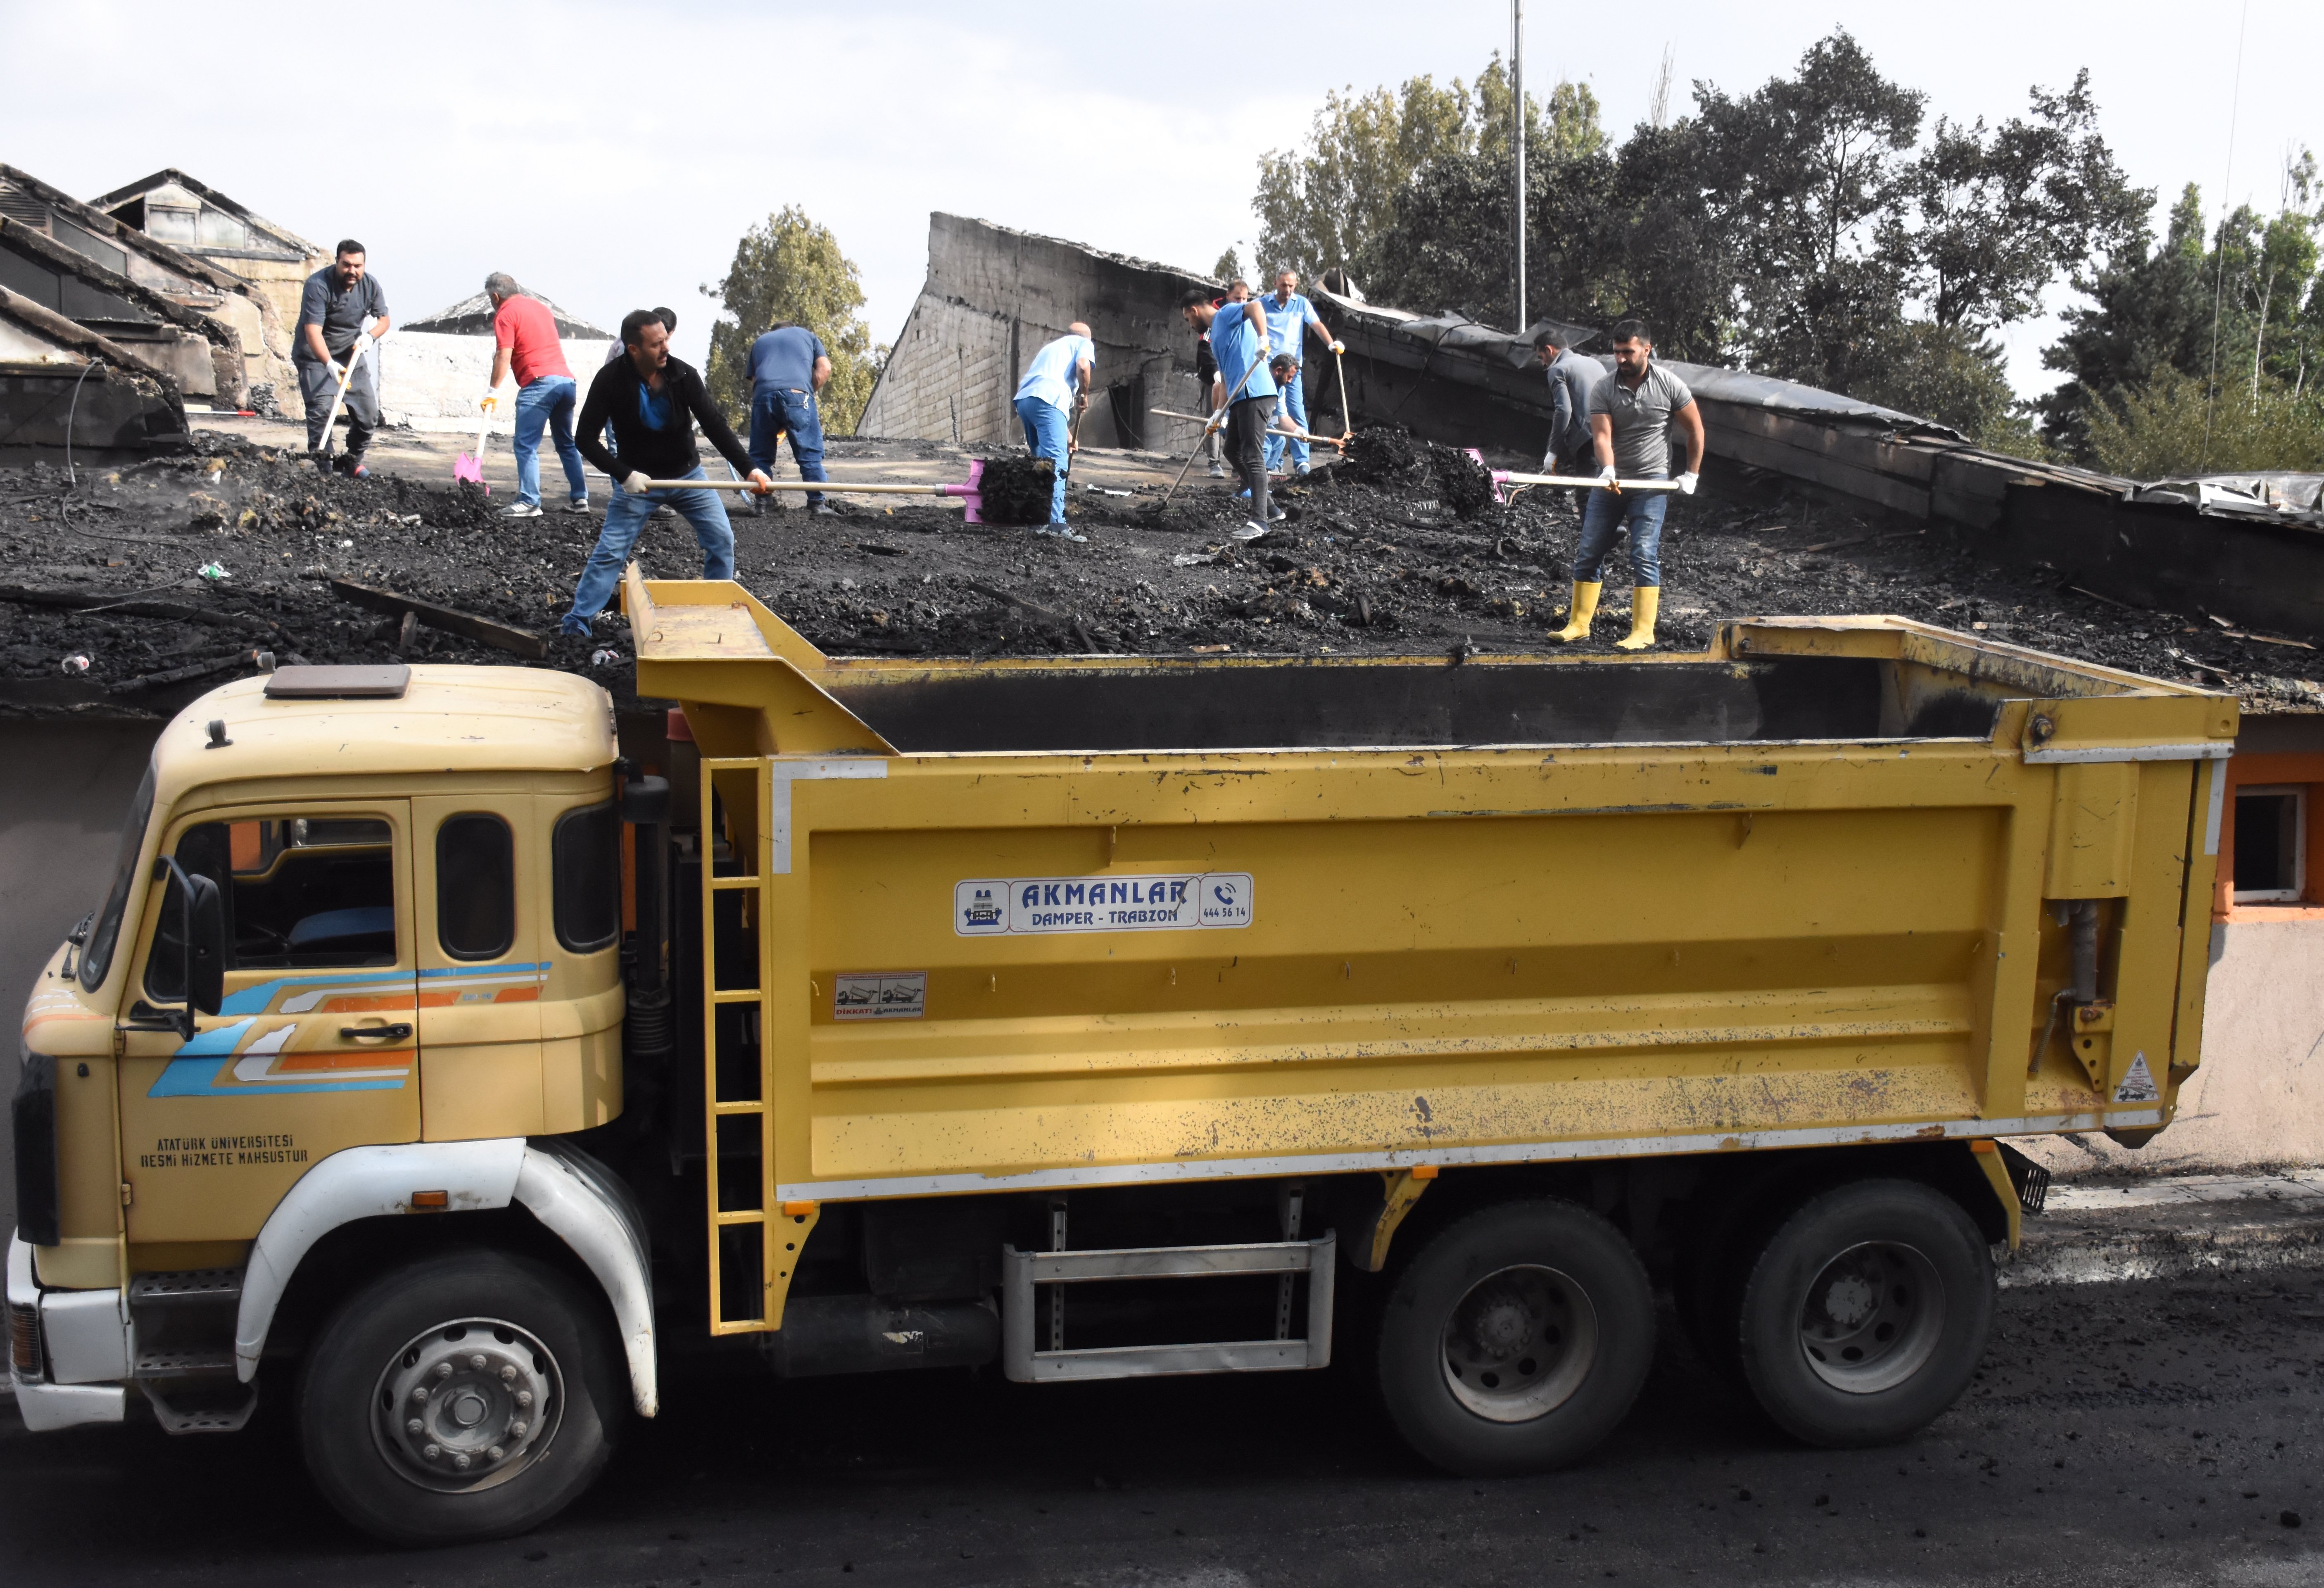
2153,1432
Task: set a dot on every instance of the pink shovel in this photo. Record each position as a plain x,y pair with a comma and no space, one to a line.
472,469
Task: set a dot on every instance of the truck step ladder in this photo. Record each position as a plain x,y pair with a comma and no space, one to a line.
182,1334
773,1258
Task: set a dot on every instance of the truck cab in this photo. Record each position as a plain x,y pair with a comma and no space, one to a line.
361,918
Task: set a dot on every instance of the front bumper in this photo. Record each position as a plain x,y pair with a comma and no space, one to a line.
42,1404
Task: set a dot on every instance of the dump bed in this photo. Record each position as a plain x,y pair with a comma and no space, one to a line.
1102,920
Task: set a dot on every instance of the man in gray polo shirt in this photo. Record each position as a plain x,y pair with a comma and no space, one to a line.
1630,418
342,302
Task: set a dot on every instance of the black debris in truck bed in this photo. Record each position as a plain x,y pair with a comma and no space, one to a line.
150,570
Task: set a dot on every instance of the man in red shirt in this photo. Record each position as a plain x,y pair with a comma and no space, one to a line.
524,337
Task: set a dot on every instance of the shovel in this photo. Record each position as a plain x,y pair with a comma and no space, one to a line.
363,344
1502,477
972,492
472,469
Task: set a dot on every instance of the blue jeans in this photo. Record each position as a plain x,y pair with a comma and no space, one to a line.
1294,410
1604,516
625,517
547,401
776,412
1045,433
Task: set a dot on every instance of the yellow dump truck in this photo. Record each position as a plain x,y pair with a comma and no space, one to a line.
442,1043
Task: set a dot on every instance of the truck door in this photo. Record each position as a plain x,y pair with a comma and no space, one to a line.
314,1047
481,881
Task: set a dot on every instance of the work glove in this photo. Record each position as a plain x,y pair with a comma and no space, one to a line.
1605,478
364,343
760,484
637,484
1549,463
1686,483
1338,349
489,402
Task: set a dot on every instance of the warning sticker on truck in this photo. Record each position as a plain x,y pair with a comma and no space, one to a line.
2137,1082
993,907
879,995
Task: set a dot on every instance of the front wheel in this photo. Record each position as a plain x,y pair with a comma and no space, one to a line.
1866,1313
1517,1340
470,1397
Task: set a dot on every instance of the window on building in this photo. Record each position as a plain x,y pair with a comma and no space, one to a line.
2271,845
586,862
475,886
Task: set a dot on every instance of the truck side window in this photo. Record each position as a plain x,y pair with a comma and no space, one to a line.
587,866
475,886
299,893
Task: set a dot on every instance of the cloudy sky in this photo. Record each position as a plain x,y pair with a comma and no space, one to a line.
610,155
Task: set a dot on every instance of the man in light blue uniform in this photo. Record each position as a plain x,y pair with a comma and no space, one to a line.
788,367
1055,386
1288,316
1238,334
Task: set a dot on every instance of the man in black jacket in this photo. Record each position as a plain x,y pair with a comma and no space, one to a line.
652,401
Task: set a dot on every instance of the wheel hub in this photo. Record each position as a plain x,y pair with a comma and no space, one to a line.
1519,1343
1872,1317
468,1405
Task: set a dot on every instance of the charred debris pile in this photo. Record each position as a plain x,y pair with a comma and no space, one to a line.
136,587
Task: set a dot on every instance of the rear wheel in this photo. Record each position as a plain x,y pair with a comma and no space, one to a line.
1866,1313
470,1397
1517,1340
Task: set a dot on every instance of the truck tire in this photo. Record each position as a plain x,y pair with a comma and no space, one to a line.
1866,1313
471,1396
1516,1340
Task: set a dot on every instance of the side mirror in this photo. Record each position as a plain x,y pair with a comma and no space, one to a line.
201,932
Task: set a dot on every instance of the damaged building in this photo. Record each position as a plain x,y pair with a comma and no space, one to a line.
233,301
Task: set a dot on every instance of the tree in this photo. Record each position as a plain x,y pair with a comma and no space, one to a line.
2150,311
1954,375
1804,171
1338,201
2243,319
2174,426
1990,218
787,269
1330,204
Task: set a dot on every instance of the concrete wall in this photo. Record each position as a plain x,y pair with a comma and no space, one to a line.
431,380
992,297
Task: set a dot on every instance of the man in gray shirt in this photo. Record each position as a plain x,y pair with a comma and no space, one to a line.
342,302
1572,379
1630,418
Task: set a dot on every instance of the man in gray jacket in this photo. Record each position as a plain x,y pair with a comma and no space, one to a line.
1572,380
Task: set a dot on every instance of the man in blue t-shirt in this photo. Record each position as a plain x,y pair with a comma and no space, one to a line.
1288,316
1056,386
1237,329
788,367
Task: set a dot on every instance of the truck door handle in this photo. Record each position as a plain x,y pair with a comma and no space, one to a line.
398,1031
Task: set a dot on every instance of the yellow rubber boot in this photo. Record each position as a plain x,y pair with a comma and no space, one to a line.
1578,616
1646,605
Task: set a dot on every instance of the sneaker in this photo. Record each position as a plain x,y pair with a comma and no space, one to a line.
824,509
353,469
521,510
1243,494
1218,471
1060,532
1276,515
1250,528
579,504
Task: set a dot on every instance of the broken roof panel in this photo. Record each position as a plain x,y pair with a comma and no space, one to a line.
177,209
473,316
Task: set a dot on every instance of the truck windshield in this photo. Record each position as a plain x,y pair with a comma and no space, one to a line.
97,956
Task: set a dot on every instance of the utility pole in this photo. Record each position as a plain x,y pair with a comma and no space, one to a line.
1517,136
